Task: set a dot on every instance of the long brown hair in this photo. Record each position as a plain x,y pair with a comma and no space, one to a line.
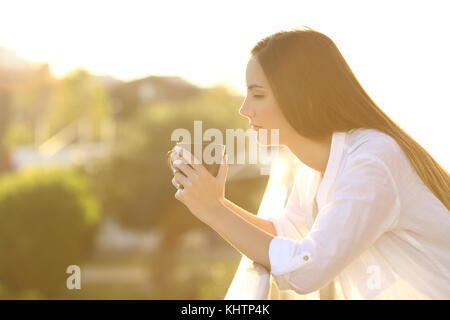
319,94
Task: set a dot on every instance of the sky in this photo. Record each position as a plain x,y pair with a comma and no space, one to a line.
398,49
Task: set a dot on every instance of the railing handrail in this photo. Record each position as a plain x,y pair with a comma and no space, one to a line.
251,280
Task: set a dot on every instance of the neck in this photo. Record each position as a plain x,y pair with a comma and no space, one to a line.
312,153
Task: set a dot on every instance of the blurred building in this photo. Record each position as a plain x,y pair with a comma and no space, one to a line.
127,97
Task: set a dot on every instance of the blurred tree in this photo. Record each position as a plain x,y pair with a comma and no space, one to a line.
17,133
78,96
31,94
5,118
29,105
48,218
129,97
29,85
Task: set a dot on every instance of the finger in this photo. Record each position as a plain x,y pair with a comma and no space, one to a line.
179,195
185,168
176,184
223,170
193,161
182,179
179,152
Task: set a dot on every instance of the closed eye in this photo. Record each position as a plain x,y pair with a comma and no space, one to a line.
258,96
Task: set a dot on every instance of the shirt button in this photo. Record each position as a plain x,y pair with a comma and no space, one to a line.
305,258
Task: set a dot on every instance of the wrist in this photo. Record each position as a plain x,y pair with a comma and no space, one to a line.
213,214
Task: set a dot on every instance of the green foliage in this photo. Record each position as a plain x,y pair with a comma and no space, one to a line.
17,134
48,218
78,96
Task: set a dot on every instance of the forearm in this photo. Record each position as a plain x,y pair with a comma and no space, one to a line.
259,222
245,237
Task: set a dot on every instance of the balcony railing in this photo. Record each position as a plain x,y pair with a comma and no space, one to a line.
252,281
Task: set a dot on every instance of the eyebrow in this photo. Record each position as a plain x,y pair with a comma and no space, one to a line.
254,85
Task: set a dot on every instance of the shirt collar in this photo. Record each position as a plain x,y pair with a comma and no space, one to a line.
334,160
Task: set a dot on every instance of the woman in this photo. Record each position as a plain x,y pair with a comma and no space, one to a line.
372,220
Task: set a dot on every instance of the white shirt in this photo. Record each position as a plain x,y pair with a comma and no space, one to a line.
379,233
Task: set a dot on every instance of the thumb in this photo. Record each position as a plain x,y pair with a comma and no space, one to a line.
223,170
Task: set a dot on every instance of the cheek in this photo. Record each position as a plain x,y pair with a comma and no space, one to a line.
268,114
274,119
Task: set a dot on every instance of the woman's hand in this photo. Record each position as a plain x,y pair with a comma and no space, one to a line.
197,188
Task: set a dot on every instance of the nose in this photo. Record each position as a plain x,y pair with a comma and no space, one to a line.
245,111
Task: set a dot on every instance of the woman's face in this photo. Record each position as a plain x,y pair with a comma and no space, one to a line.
260,106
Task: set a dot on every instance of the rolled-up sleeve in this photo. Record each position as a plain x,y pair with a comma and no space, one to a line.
364,204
